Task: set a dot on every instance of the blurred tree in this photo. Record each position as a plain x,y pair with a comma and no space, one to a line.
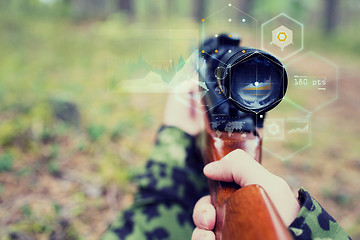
331,19
298,8
88,8
97,5
199,9
171,7
128,7
246,5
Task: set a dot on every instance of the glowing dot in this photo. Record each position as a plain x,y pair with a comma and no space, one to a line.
203,51
229,51
261,116
229,35
243,20
216,35
170,60
243,51
229,4
216,51
256,83
230,19
203,20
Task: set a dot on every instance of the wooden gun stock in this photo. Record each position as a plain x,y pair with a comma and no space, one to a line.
241,213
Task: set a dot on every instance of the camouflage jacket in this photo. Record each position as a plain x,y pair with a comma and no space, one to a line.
171,184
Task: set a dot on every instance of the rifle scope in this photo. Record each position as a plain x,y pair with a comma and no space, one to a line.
243,82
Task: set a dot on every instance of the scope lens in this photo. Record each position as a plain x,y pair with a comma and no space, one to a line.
256,83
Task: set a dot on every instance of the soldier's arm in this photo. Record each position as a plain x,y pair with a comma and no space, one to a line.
168,189
313,222
172,181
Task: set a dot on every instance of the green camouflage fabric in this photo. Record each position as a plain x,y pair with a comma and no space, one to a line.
313,222
168,189
172,182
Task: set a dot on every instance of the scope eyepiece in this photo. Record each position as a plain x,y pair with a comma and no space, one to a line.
253,80
242,81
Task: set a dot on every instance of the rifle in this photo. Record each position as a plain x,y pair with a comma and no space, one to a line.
243,83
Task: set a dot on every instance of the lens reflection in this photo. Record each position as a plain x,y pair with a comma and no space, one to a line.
255,83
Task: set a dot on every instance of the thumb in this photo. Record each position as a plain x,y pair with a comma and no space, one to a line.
238,167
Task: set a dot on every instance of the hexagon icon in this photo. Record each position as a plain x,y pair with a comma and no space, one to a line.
274,129
287,131
282,37
313,81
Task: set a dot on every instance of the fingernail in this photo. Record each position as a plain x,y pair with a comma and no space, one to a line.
208,169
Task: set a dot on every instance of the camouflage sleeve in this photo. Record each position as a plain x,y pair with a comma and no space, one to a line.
313,222
168,189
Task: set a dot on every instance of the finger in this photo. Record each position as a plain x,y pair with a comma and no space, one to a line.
201,234
239,167
204,214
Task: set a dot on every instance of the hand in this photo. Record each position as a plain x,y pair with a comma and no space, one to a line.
183,109
241,168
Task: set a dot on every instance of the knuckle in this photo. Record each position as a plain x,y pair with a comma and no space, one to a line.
279,182
239,152
232,156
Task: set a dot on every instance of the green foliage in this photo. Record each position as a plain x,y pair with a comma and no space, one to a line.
57,207
95,132
297,8
54,9
53,167
23,171
26,210
6,162
32,226
337,195
113,169
118,131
